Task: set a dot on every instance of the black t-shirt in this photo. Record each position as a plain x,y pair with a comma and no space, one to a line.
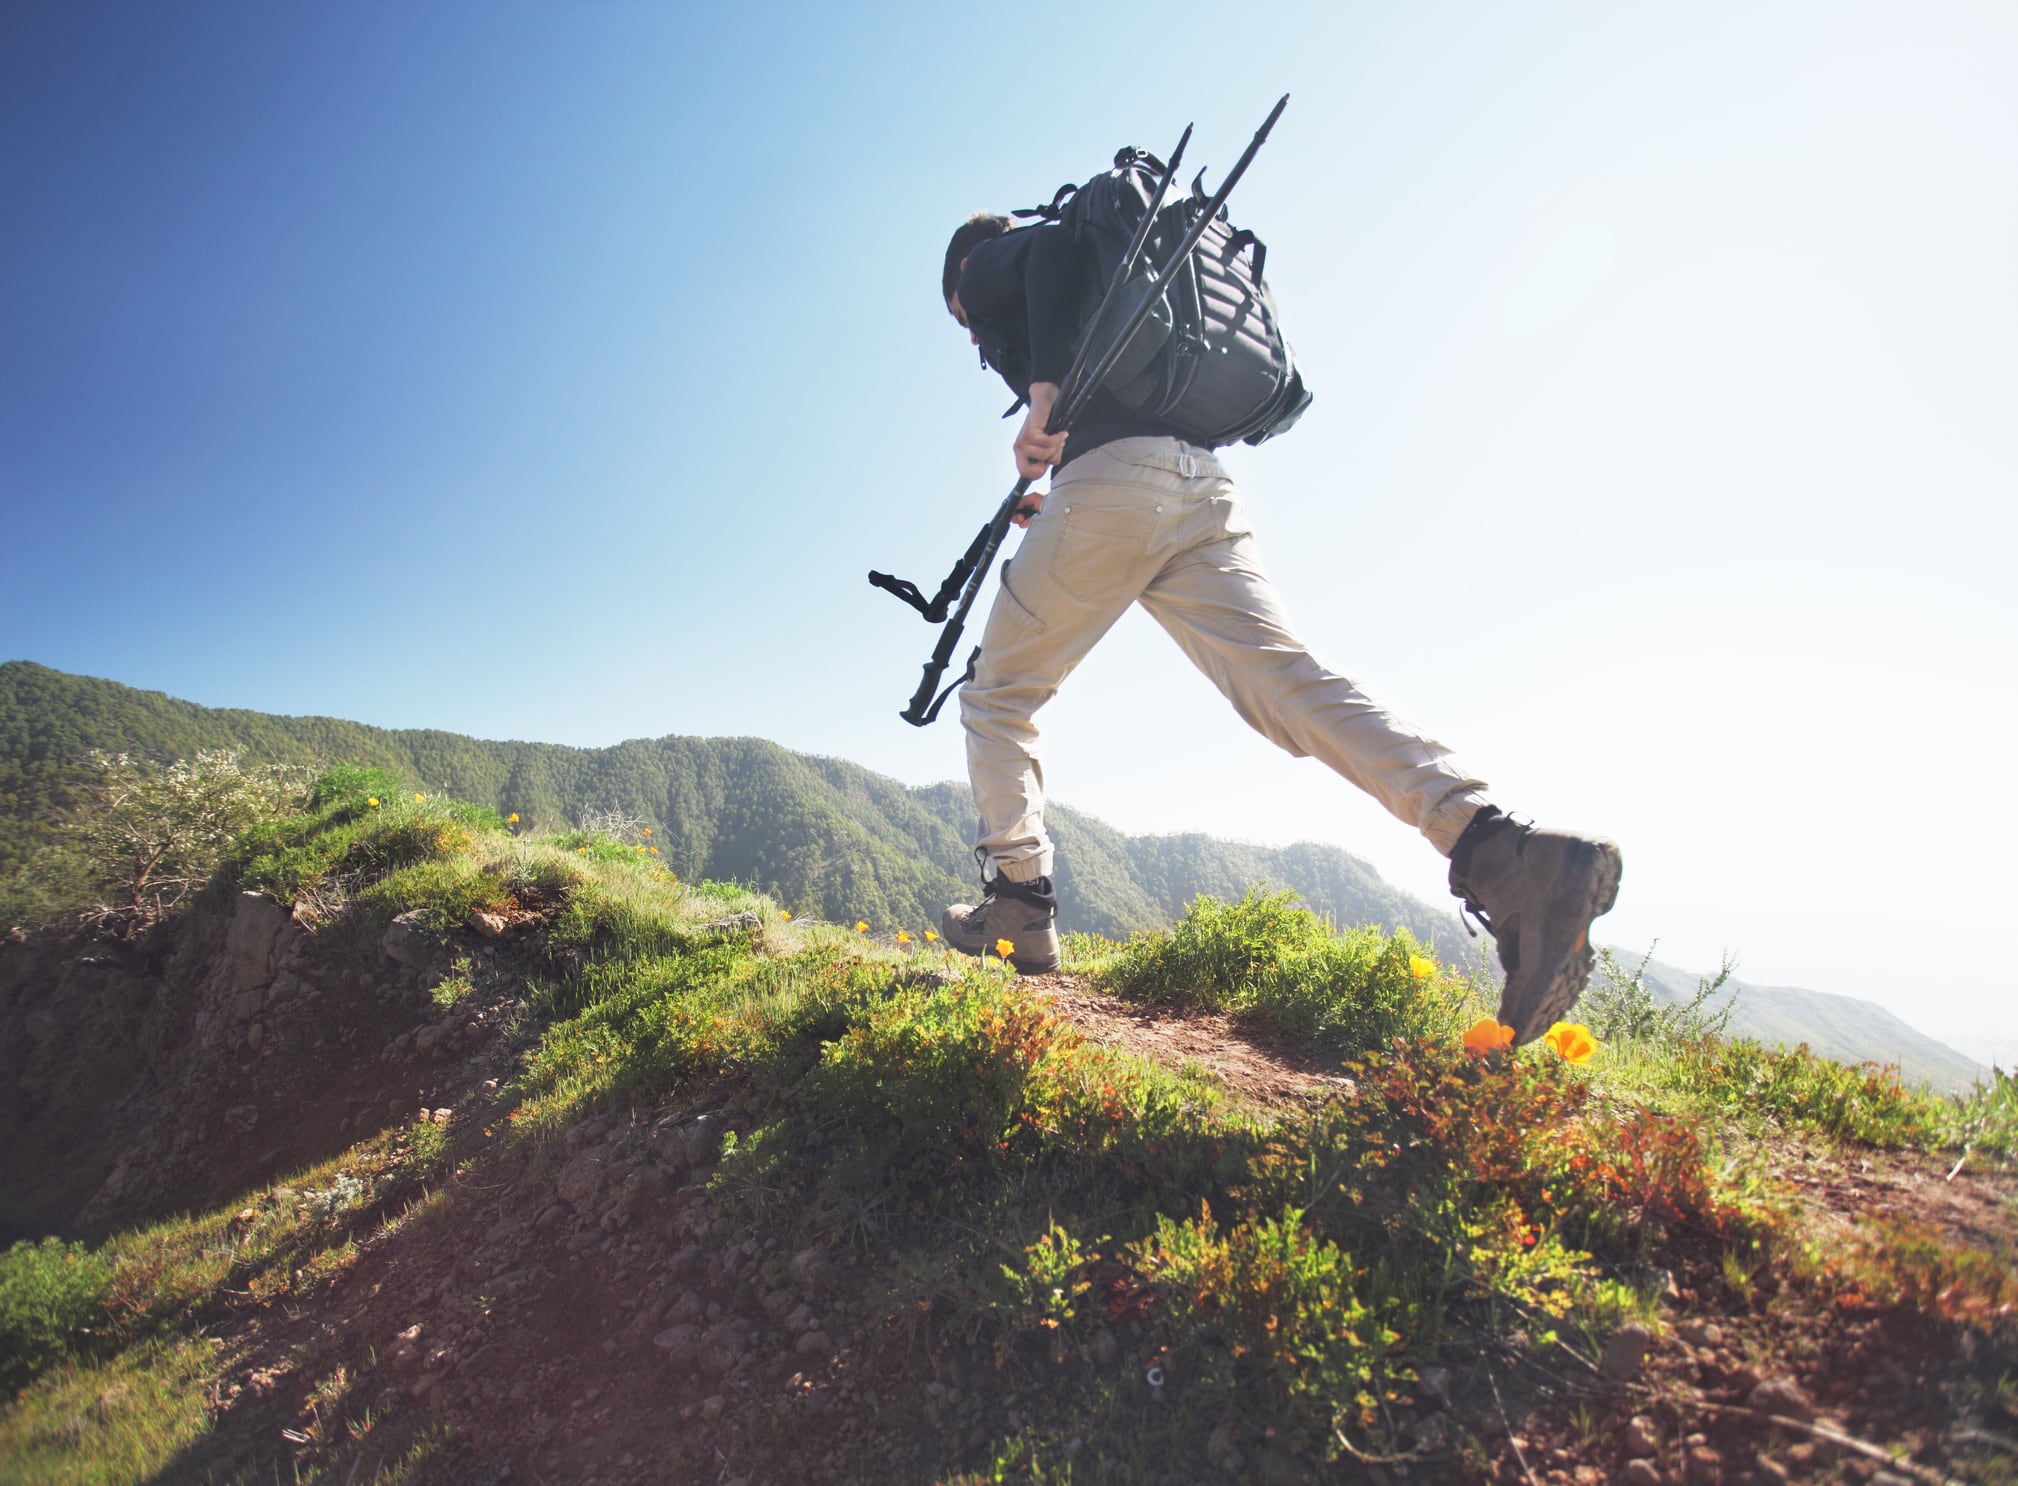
1021,293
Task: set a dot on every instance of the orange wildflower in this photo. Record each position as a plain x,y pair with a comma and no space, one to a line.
1487,1035
1571,1041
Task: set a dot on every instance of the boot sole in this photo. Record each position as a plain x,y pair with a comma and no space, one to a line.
1600,864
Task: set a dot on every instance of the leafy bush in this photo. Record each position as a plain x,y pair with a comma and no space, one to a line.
1988,1119
1270,1301
154,833
1865,1103
354,784
48,1293
1619,1006
1265,956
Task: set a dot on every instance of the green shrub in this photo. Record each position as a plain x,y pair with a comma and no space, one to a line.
1866,1103
1267,957
1269,1302
1619,1006
49,1292
1987,1120
354,784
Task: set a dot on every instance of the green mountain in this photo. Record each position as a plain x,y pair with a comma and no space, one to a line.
824,836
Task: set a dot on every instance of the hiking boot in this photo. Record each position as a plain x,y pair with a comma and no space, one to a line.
1537,892
1023,913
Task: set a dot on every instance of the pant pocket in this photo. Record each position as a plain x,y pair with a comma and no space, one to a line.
1098,548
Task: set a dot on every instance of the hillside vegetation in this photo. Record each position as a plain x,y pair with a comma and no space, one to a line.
460,1149
822,836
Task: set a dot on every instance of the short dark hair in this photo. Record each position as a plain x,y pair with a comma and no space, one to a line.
977,229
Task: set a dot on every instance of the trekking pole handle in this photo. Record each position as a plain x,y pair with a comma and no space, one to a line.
1175,257
926,701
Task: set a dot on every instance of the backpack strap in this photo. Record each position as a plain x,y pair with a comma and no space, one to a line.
1246,239
1052,210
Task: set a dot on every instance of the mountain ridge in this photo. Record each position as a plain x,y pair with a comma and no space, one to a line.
825,835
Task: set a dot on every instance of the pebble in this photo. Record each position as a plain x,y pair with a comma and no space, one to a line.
1782,1397
1641,1473
1643,1437
1625,1350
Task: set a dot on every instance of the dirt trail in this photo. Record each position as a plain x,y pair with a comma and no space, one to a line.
1262,1068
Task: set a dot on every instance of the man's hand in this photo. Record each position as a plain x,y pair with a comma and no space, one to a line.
1032,504
1036,450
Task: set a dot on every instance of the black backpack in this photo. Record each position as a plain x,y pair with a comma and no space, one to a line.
1210,360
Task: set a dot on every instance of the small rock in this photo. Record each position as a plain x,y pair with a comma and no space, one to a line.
490,925
1702,1333
254,1036
1625,1351
579,1178
1781,1397
1220,1451
249,941
1768,1469
1436,1382
1643,1437
1104,1347
407,940
501,1230
737,925
1432,1434
1641,1473
810,1342
1703,1463
1889,1478
552,1218
424,1384
712,1406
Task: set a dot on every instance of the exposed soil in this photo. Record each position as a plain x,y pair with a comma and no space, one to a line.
1264,1069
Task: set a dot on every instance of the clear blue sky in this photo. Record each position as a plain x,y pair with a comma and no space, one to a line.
557,372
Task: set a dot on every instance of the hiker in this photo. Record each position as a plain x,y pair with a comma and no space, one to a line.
1137,514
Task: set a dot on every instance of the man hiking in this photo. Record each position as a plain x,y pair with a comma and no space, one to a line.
1137,514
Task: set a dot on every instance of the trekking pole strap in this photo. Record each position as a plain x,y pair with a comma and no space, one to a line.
934,610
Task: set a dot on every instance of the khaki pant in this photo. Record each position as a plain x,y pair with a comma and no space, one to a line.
1157,521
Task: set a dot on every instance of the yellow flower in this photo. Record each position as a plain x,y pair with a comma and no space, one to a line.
640,850
512,819
784,913
582,850
902,937
648,830
861,927
1004,948
1572,1042
930,937
655,851
373,802
1487,1035
418,798
1421,966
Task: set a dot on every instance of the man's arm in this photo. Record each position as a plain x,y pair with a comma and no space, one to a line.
1051,309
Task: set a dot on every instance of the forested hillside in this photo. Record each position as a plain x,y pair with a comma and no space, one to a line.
823,835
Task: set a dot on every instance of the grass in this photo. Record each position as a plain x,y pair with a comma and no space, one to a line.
1286,1274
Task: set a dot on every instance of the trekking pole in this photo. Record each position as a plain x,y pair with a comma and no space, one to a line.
925,703
1074,397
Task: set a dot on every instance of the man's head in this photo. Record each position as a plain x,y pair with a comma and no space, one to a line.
980,228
